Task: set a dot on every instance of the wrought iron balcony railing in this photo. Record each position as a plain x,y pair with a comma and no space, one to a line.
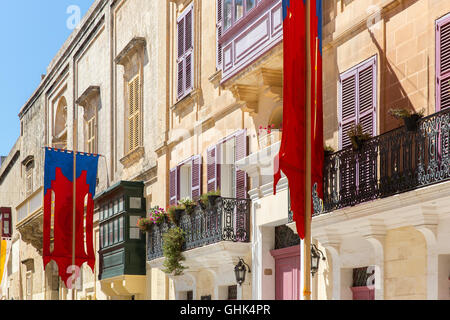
228,220
394,162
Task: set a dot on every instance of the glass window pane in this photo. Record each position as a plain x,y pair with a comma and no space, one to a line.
227,13
101,236
116,207
121,229
135,233
106,235
238,9
121,202
116,231
110,233
110,212
250,4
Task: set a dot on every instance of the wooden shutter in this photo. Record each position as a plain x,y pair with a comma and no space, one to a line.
357,100
347,110
134,113
91,135
241,153
173,186
366,97
196,184
185,61
219,28
443,63
213,168
6,222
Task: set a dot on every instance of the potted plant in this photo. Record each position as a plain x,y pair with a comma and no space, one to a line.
188,204
157,215
357,136
409,117
175,213
173,241
210,198
145,224
328,151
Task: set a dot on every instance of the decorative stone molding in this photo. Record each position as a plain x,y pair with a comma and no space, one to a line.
272,83
215,78
88,94
247,95
32,231
132,157
190,99
130,49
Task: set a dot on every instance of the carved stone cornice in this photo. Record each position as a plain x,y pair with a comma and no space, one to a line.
132,157
90,92
32,231
132,47
246,95
193,97
272,83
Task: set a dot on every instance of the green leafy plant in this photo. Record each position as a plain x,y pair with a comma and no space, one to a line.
173,213
328,150
188,204
357,136
173,241
204,197
403,113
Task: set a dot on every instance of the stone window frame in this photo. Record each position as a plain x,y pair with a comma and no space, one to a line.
132,58
90,101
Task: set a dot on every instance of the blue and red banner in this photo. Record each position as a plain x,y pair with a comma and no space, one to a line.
59,193
291,158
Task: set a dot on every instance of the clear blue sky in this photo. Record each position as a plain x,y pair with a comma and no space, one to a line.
31,33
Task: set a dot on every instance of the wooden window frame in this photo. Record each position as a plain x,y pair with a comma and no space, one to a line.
445,76
355,71
134,114
182,56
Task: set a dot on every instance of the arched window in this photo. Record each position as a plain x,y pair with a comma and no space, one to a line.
60,127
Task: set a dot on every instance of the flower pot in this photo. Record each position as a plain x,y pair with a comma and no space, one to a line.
212,200
357,143
411,122
201,204
190,209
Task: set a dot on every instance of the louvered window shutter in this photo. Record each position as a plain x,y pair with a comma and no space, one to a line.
347,110
366,97
357,101
213,168
196,185
219,27
173,186
185,61
134,114
443,64
241,153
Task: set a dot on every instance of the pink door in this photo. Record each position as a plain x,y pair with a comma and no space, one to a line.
363,293
287,273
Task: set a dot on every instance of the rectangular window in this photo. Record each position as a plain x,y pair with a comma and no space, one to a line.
121,229
185,59
121,204
134,229
185,181
443,63
227,172
238,9
111,232
234,10
91,135
106,235
110,210
5,223
134,113
116,231
101,237
29,178
357,101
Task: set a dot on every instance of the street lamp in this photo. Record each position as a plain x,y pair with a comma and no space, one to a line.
240,270
316,254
